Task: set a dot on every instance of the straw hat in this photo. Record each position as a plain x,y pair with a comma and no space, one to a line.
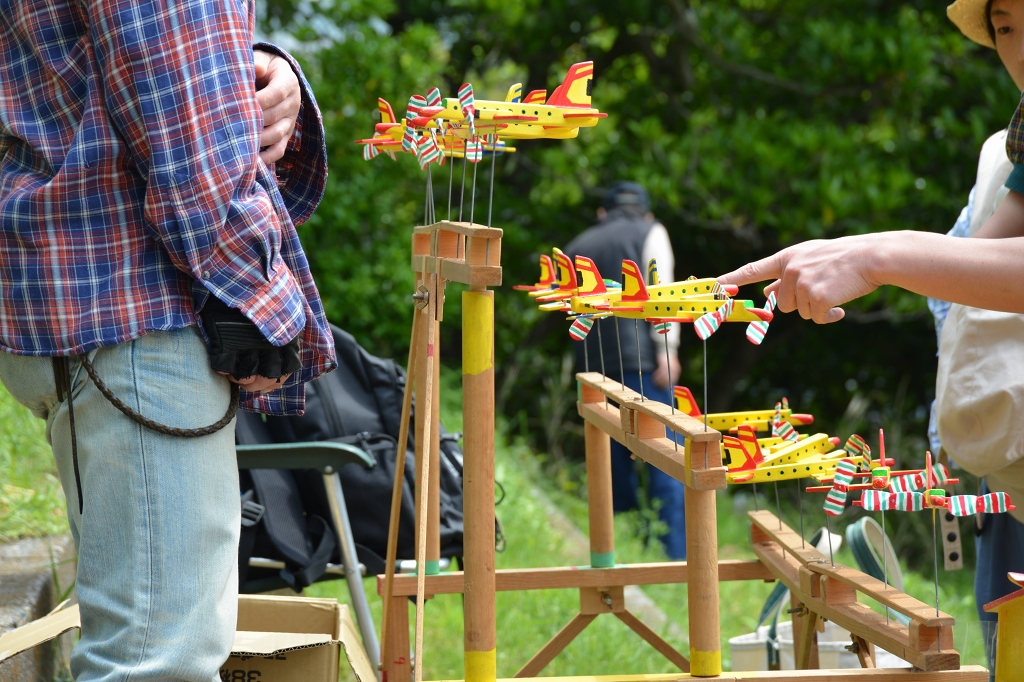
971,17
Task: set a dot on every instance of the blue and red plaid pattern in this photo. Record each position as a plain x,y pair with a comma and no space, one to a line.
131,185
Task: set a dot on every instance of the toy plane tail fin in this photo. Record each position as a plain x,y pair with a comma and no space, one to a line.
685,401
536,97
547,270
590,279
652,273
575,89
515,93
566,272
633,288
386,113
743,451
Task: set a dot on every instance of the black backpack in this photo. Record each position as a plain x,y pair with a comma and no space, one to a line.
359,403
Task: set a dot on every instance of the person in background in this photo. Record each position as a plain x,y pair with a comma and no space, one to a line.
999,537
628,230
152,170
983,271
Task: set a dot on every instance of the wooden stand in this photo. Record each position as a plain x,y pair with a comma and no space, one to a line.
471,254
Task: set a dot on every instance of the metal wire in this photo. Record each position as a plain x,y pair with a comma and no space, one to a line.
639,364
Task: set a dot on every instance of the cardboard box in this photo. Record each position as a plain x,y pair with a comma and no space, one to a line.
279,639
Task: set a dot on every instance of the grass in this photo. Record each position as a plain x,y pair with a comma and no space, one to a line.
31,500
31,504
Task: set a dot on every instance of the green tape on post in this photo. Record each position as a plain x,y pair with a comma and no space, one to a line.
605,560
431,567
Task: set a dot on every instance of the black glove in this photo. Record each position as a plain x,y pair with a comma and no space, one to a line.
238,348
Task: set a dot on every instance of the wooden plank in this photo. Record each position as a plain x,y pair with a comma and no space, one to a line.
463,228
865,651
654,639
457,270
572,577
597,600
807,646
858,618
972,673
555,645
768,525
629,399
660,453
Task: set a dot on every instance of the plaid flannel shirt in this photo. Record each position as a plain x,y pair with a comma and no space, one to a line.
131,185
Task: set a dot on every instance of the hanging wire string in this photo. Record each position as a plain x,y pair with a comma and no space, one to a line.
494,161
472,200
800,504
600,346
778,506
618,342
828,530
639,364
462,197
671,398
451,177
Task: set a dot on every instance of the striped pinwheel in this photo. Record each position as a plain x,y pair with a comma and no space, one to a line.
468,104
781,428
410,140
879,500
860,451
835,500
708,323
756,330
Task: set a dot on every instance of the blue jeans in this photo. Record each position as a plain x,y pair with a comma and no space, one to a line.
1000,548
157,540
669,493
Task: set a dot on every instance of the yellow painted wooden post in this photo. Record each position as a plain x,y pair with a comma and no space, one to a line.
478,483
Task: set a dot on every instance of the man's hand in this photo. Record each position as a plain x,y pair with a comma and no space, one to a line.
816,277
667,372
239,351
278,93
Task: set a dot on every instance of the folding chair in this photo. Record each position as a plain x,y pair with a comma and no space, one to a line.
328,458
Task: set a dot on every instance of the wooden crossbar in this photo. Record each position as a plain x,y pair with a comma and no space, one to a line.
817,562
570,577
832,594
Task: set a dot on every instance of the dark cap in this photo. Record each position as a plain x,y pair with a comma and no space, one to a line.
626,194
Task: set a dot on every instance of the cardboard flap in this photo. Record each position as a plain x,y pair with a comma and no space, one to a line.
39,631
354,650
270,643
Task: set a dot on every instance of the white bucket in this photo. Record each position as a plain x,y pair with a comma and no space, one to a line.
750,651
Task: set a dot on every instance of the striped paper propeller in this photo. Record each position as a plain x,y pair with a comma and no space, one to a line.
966,505
835,500
879,500
427,151
663,327
370,151
410,140
756,330
918,481
708,323
434,97
474,150
780,427
468,104
859,449
580,327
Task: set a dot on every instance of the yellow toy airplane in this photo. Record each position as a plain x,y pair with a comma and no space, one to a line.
547,280
809,457
760,420
560,117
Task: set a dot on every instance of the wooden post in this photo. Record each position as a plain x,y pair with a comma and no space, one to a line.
433,566
702,590
599,487
396,665
478,484
431,445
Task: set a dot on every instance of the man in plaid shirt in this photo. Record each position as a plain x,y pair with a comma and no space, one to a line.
142,232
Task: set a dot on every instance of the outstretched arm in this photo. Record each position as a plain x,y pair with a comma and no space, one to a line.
817,277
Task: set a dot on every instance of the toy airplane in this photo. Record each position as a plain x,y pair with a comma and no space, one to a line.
935,498
747,462
760,420
560,117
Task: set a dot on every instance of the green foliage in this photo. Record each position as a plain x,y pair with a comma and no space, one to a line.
754,124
